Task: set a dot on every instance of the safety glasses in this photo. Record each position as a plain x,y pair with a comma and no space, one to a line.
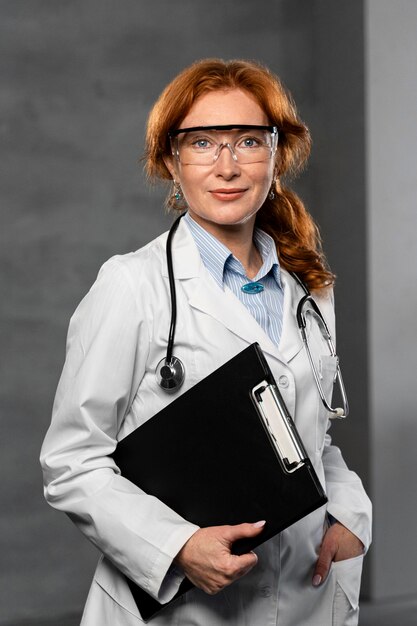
202,145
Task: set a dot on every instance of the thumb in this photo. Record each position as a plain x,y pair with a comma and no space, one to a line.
245,530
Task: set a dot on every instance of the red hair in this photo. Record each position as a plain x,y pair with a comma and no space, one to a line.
285,218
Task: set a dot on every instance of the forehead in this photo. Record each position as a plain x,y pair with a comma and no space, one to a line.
223,107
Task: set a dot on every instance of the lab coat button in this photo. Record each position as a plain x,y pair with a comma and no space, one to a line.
283,381
265,592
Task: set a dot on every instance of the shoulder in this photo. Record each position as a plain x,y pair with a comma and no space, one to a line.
123,279
124,275
325,301
137,263
324,297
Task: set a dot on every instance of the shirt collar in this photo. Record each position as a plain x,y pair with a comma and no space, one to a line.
217,257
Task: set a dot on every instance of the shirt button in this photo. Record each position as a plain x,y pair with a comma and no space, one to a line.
283,381
265,592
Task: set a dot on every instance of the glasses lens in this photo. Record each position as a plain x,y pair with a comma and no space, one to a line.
204,147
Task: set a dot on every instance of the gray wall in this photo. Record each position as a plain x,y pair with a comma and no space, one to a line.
391,54
78,79
338,180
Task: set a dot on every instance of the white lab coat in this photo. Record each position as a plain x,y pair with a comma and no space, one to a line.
108,388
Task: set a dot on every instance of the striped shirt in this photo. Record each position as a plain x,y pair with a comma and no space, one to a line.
266,306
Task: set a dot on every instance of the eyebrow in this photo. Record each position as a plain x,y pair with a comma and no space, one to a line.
178,131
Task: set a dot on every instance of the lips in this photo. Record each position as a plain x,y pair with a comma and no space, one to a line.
228,194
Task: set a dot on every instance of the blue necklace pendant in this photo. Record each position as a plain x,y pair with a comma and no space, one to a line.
252,288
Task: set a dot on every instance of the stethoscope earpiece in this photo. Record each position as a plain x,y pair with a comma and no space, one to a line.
170,374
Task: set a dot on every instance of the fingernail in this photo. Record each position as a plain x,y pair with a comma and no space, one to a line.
259,524
316,580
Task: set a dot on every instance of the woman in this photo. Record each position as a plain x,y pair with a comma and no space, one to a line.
242,227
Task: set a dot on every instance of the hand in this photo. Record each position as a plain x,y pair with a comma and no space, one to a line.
206,558
338,544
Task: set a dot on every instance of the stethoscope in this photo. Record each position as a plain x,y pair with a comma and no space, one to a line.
170,371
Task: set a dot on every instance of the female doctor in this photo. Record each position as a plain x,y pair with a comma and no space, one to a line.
233,252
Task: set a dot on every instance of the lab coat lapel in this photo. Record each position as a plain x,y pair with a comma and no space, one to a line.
206,296
225,307
291,341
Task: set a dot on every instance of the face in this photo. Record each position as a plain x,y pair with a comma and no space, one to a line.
226,194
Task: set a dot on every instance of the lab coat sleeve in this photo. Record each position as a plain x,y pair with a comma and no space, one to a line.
108,343
348,501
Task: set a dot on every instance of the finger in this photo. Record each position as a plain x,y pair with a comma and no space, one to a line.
245,562
323,564
235,568
244,530
227,573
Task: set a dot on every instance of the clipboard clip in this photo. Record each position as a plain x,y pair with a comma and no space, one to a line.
279,426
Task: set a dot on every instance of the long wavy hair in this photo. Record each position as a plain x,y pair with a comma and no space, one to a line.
284,217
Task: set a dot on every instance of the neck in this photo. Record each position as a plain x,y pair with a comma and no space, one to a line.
238,238
247,253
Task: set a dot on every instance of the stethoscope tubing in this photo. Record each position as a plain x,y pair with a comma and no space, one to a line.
172,290
338,412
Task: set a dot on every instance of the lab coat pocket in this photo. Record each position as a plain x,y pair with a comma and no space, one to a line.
327,368
112,581
346,598
116,602
222,608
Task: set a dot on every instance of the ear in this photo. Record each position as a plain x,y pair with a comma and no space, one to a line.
278,164
171,165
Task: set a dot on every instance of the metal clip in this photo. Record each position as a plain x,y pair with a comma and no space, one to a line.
279,425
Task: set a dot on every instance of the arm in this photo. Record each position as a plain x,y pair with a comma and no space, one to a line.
106,358
348,501
350,535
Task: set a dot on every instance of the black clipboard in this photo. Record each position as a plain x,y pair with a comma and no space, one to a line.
224,452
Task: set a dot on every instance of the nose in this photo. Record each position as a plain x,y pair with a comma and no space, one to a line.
226,163
225,145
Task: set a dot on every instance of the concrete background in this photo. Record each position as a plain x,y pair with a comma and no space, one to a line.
77,81
391,105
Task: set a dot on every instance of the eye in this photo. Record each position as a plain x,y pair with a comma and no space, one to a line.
200,143
249,142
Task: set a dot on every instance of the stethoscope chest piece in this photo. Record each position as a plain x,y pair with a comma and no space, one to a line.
170,374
